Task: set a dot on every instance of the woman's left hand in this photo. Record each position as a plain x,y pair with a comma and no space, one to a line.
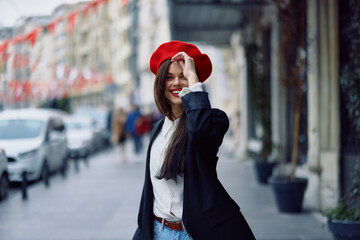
188,66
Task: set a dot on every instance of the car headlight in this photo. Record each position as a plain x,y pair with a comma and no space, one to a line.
28,154
84,143
75,143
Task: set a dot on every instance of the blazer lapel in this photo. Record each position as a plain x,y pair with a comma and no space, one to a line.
156,130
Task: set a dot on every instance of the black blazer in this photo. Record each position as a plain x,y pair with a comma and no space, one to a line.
209,213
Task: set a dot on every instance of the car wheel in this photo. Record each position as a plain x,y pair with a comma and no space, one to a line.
45,174
4,186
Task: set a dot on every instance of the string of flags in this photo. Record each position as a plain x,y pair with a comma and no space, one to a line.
73,82
50,28
69,81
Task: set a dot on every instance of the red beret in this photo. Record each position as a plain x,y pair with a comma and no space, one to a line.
169,49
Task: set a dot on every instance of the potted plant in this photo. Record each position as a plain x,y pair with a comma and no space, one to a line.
259,95
344,218
289,189
263,168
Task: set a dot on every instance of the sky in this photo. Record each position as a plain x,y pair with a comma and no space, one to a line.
11,10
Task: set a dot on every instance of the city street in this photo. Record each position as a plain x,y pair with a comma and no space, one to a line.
78,76
100,202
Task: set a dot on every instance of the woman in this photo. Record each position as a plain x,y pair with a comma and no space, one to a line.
182,197
118,137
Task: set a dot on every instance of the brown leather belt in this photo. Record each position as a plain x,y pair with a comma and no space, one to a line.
176,225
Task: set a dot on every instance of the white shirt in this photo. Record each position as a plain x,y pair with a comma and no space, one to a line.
168,195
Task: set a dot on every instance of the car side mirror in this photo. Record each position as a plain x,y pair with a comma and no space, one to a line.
55,136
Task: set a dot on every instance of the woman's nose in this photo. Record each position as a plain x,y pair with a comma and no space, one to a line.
177,81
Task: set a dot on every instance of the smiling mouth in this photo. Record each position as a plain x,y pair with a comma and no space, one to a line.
175,92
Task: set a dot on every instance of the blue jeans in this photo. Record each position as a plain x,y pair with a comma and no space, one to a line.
161,232
137,143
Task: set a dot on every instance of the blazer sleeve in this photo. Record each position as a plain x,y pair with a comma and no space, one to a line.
206,126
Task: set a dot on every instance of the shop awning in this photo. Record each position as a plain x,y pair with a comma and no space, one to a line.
209,21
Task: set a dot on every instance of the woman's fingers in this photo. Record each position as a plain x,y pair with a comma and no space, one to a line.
184,60
182,64
179,56
188,66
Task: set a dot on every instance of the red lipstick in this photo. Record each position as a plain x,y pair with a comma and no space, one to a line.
175,92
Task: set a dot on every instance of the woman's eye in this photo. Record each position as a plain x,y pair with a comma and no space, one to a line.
183,77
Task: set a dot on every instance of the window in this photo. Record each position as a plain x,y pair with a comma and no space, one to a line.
20,128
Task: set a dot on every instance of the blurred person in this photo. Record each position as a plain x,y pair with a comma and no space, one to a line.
143,125
118,133
109,124
130,127
182,197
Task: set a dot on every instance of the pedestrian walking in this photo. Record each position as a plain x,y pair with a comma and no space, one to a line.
118,134
109,125
182,197
130,127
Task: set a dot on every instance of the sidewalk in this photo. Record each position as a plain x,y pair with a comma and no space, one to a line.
100,202
258,205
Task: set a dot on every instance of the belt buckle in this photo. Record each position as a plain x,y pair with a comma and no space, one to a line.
176,225
173,225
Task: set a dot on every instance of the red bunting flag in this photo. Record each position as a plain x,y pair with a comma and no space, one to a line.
94,5
108,79
34,65
23,62
27,87
71,21
3,48
15,61
17,39
31,37
86,10
52,26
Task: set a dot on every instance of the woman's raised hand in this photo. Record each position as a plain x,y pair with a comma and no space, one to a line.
188,66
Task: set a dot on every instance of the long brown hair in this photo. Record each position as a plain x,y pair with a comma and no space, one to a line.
174,160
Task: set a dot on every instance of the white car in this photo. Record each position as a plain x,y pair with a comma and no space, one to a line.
100,116
80,135
4,181
35,142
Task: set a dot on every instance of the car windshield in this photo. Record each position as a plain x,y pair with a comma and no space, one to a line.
99,115
20,128
77,125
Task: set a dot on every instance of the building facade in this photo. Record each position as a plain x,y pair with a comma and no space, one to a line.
80,52
319,143
152,30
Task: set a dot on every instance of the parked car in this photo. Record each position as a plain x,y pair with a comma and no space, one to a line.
4,180
80,135
100,116
35,142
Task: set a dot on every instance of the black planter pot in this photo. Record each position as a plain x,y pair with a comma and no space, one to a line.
264,171
289,195
344,230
